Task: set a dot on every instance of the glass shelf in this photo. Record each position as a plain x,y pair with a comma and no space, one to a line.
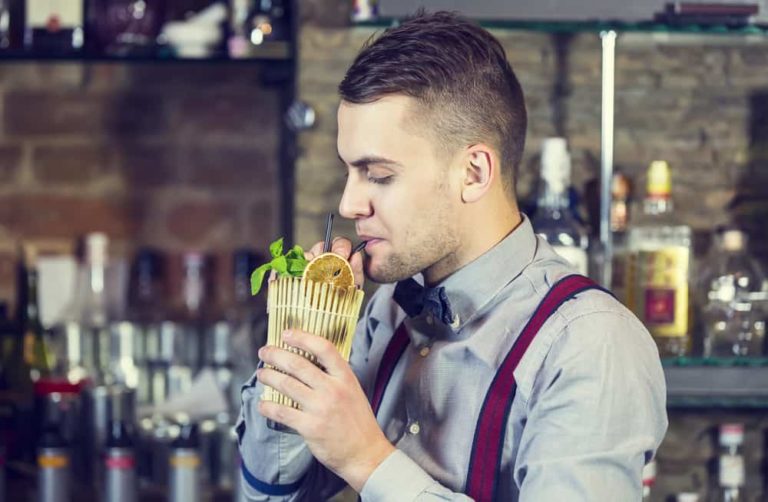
269,52
598,26
716,361
717,382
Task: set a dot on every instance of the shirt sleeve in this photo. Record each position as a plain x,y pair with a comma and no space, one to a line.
400,479
277,465
596,413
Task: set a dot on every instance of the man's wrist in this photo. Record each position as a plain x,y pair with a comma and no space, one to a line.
360,470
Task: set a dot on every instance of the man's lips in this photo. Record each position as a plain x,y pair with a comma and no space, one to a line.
370,240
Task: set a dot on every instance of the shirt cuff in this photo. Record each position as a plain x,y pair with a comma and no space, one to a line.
396,470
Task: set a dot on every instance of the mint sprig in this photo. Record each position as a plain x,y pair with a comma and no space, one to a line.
291,263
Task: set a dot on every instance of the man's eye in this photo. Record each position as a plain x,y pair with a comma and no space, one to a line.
380,181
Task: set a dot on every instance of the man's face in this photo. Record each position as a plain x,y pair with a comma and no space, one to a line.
403,197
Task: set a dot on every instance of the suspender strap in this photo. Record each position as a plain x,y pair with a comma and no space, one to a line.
488,444
392,355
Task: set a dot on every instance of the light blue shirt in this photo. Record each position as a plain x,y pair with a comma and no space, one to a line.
589,410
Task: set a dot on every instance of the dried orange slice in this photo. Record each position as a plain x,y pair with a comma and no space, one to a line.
330,268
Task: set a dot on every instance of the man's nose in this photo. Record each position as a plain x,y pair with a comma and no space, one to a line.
355,202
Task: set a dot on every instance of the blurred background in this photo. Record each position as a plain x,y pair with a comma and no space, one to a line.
151,150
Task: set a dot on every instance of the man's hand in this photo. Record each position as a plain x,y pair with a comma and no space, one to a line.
335,419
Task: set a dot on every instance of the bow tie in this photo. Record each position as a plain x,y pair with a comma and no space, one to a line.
414,298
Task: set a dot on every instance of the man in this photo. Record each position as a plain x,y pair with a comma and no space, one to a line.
431,128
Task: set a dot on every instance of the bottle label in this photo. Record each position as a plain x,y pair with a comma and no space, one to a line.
54,14
731,471
661,278
52,461
575,256
120,462
185,462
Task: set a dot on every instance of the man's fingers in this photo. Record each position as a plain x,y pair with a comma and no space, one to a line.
285,415
342,247
356,262
285,383
293,364
327,355
314,250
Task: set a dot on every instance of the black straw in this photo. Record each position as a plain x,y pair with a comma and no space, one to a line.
328,227
358,248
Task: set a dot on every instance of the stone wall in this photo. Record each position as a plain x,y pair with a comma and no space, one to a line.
699,103
173,155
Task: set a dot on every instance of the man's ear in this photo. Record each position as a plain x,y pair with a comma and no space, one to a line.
480,171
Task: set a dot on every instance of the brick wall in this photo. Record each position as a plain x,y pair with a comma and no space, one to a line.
700,104
173,155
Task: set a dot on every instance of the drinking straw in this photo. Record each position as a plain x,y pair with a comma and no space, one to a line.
328,227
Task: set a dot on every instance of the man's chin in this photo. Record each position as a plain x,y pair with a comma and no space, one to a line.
382,274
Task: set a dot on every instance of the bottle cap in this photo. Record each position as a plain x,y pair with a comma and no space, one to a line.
189,437
734,240
119,435
659,180
96,248
731,434
555,164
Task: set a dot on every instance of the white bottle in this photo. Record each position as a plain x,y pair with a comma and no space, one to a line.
554,219
731,463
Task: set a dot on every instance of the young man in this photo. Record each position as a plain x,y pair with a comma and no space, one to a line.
441,400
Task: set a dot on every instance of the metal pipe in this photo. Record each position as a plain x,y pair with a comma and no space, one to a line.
608,39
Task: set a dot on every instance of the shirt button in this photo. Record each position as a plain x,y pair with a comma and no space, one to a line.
424,351
414,428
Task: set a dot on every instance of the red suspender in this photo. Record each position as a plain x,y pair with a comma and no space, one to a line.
485,462
392,355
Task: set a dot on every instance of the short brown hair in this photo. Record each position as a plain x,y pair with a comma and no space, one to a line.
460,74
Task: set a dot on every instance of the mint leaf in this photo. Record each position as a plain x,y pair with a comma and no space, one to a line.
295,253
296,266
280,264
276,248
257,277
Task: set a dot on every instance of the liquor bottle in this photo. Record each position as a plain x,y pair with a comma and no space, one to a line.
185,483
658,264
54,27
27,360
53,462
120,464
649,478
15,388
87,318
146,313
37,355
726,280
620,188
730,464
182,338
124,27
554,219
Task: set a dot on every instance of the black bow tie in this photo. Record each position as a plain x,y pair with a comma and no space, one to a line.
414,298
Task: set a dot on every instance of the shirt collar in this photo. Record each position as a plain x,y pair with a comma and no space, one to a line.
473,286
